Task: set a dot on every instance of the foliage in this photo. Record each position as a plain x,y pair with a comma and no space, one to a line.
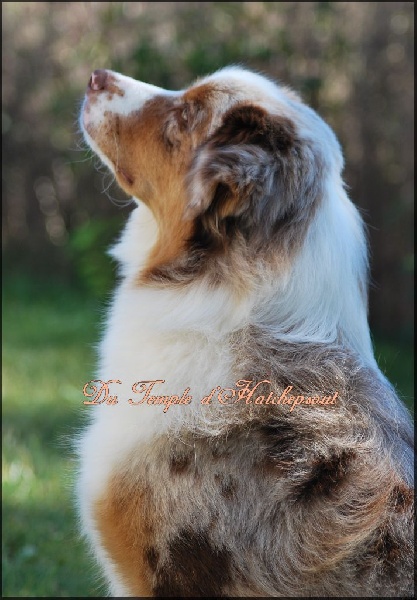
88,247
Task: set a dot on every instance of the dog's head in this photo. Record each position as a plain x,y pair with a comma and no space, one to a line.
233,156
242,178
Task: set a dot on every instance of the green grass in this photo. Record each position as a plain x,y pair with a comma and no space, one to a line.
48,355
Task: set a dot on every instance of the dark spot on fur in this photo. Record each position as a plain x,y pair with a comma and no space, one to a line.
279,437
196,568
228,488
401,498
280,442
227,485
206,238
325,477
151,557
117,125
386,547
179,463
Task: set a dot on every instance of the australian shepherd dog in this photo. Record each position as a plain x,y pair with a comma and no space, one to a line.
243,441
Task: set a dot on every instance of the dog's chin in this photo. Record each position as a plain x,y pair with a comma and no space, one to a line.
89,133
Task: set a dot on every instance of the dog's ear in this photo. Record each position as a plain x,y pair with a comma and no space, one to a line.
251,157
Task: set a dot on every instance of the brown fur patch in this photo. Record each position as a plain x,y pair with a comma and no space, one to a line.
280,441
196,568
326,476
386,547
147,167
387,550
228,488
125,522
200,94
167,161
402,498
179,464
166,174
112,87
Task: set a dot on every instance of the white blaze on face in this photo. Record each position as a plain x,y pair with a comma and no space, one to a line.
120,94
110,92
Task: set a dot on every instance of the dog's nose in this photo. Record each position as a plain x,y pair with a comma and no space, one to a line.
98,80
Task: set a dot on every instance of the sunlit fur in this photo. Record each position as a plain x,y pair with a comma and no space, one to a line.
244,259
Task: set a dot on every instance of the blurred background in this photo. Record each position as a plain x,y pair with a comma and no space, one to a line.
351,61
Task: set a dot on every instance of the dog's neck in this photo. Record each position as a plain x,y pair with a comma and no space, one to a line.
319,298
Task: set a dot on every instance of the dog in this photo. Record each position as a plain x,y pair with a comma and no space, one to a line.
242,441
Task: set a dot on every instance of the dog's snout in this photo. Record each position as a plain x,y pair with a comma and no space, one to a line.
98,80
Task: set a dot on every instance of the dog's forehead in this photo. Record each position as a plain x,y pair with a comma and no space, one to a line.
244,85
